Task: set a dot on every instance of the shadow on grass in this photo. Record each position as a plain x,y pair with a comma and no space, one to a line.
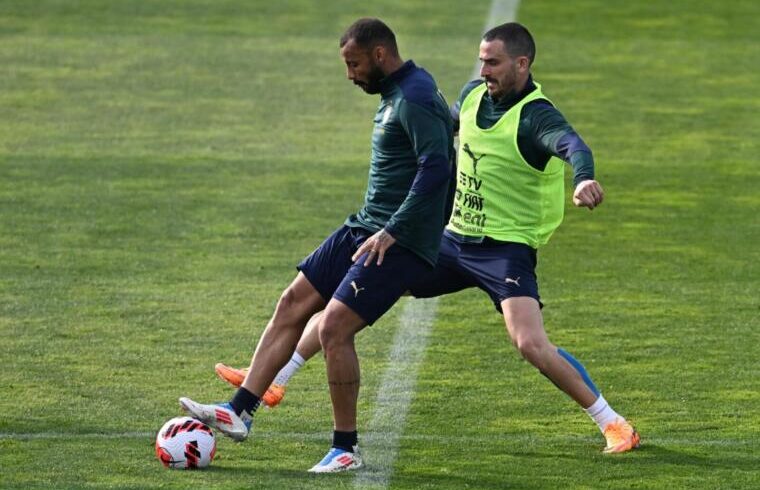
299,478
720,458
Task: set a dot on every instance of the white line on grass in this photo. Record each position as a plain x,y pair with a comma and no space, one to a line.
400,378
501,11
395,393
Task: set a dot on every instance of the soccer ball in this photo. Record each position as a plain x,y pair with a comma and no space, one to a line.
185,443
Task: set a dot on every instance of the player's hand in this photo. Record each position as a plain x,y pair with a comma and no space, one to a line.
375,246
588,194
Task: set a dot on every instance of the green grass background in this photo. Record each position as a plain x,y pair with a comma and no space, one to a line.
164,165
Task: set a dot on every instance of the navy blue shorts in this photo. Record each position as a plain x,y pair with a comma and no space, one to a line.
369,291
501,269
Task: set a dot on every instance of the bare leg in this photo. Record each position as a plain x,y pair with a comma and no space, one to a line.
296,306
337,329
309,344
526,329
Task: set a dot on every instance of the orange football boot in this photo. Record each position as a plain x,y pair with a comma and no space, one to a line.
231,375
621,437
273,395
235,377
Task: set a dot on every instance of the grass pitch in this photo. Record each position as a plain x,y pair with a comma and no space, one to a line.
164,165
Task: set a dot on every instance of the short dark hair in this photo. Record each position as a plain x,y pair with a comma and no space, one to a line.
368,33
516,38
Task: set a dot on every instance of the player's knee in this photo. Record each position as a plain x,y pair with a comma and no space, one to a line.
284,313
287,300
532,350
331,332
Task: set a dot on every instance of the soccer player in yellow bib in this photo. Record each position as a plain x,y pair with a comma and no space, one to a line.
513,145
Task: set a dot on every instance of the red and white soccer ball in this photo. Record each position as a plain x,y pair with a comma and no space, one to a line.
185,443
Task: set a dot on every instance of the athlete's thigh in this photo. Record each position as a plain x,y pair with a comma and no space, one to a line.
522,316
300,300
505,270
372,290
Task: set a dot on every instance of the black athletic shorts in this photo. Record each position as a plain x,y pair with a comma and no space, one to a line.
501,269
369,291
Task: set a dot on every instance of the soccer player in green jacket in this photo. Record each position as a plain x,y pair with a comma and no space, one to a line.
362,269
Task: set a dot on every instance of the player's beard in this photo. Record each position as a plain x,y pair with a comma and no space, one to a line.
506,86
372,85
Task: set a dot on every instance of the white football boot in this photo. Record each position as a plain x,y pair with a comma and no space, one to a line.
222,417
338,460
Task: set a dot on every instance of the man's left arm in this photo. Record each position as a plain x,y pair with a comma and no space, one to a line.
430,140
555,136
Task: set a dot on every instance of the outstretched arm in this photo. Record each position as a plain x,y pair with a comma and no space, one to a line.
588,194
554,136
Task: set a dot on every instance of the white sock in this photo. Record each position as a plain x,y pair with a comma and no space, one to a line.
602,413
290,369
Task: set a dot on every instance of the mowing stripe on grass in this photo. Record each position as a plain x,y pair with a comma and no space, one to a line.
400,378
31,436
501,11
526,440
